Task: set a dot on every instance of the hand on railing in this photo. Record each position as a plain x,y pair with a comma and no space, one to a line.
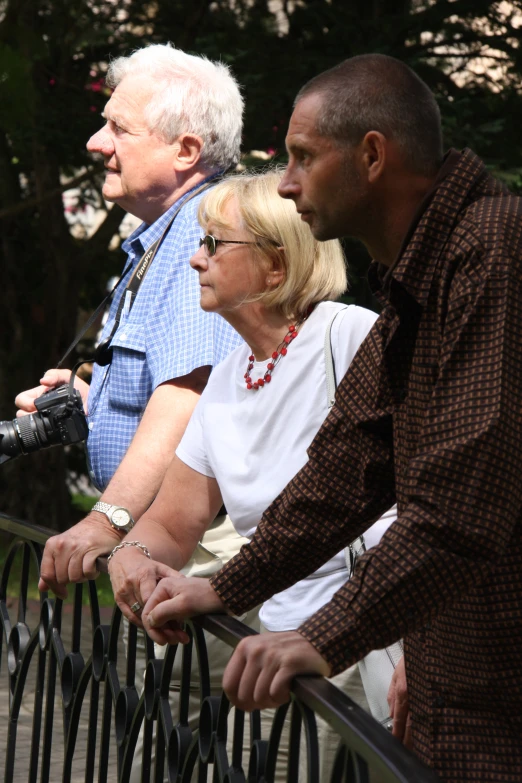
175,600
262,668
134,578
71,556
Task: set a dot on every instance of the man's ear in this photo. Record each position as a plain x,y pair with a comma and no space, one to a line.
188,149
373,155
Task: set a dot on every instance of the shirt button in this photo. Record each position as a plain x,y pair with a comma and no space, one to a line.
439,702
91,425
402,394
123,336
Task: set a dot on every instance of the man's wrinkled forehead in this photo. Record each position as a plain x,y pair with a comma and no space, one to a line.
127,104
303,122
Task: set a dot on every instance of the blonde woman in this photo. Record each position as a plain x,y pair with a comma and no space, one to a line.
260,268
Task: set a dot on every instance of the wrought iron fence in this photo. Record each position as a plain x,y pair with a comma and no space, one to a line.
76,705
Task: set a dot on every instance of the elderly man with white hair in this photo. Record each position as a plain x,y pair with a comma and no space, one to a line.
172,127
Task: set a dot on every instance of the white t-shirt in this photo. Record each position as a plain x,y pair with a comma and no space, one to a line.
253,442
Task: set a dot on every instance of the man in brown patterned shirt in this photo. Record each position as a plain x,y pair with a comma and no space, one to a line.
429,414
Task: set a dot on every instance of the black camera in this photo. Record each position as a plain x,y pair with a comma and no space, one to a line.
59,419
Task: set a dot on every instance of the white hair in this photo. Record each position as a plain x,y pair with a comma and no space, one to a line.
191,95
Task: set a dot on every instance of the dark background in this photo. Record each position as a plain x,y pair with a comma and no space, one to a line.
53,56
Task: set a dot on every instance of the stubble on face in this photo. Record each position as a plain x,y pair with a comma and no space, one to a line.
343,210
322,177
353,198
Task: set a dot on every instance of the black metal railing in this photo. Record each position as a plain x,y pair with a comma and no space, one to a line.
82,691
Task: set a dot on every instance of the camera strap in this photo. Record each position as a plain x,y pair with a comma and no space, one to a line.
103,352
70,399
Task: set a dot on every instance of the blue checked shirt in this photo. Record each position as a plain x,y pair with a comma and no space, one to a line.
165,335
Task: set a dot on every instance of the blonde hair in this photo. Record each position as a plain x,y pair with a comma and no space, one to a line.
313,271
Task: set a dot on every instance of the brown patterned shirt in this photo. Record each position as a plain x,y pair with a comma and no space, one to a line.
429,414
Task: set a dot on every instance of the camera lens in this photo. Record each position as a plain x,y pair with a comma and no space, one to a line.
9,443
32,433
22,435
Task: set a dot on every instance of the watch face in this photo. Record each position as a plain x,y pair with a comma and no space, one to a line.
120,517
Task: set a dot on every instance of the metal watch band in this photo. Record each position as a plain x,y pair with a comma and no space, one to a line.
103,507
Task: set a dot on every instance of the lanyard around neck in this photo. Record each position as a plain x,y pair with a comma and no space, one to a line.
103,352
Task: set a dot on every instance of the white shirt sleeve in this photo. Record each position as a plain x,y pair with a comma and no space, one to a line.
191,449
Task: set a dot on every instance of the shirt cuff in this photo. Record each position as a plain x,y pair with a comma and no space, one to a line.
321,630
237,585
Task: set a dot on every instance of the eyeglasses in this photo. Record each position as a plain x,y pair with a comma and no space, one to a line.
211,243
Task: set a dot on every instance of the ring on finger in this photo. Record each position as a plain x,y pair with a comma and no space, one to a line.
136,607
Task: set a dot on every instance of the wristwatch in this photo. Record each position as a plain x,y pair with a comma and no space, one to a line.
119,517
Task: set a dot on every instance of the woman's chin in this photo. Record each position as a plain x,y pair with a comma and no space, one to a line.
207,303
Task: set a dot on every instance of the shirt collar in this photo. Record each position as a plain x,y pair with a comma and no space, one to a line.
462,178
142,238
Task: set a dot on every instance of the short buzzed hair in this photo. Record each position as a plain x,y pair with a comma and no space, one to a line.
379,93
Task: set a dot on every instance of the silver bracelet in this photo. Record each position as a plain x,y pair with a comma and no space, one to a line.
130,543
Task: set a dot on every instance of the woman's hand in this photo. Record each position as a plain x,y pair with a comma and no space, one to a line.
176,599
134,578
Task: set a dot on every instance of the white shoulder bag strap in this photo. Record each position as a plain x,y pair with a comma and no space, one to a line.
331,380
376,668
357,547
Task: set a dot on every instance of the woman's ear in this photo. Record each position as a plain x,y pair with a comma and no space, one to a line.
275,274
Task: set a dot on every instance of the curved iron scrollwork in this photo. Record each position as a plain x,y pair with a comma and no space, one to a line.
85,691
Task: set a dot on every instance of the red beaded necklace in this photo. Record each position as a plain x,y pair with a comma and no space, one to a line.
281,350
